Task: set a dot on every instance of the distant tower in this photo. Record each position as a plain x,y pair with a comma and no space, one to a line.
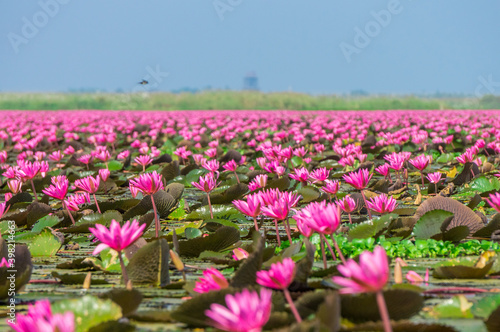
251,82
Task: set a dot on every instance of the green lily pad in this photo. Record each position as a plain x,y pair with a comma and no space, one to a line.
89,311
485,306
48,221
149,265
44,244
90,220
430,224
222,239
225,212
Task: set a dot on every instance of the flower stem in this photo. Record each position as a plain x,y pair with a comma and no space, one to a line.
329,246
287,228
384,314
350,219
34,191
69,212
322,244
237,178
96,204
255,223
277,232
366,204
210,206
336,245
422,176
157,220
292,305
124,270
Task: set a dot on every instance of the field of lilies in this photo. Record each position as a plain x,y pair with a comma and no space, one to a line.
250,221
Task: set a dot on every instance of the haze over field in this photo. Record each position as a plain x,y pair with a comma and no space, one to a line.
314,47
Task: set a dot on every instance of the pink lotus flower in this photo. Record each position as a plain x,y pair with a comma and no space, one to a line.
211,153
182,152
239,254
421,162
250,208
331,187
382,204
15,186
359,179
85,159
40,319
90,185
370,275
148,183
383,170
104,173
301,175
319,175
59,187
72,202
212,280
143,161
415,278
3,208
4,262
434,177
56,156
3,157
325,218
123,155
211,165
280,276
300,152
69,150
117,238
245,311
231,166
207,183
348,205
466,157
104,156
494,201
260,181
278,210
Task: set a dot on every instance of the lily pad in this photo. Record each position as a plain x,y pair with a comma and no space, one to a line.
222,239
463,268
401,304
430,224
44,244
149,265
89,311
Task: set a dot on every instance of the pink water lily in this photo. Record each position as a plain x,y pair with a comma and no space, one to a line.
382,204
41,319
280,276
359,180
90,185
370,275
244,312
150,184
212,280
117,238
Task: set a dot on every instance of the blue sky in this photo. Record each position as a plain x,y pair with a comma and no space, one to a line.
321,46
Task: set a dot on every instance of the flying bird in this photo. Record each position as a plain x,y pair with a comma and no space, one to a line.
143,82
